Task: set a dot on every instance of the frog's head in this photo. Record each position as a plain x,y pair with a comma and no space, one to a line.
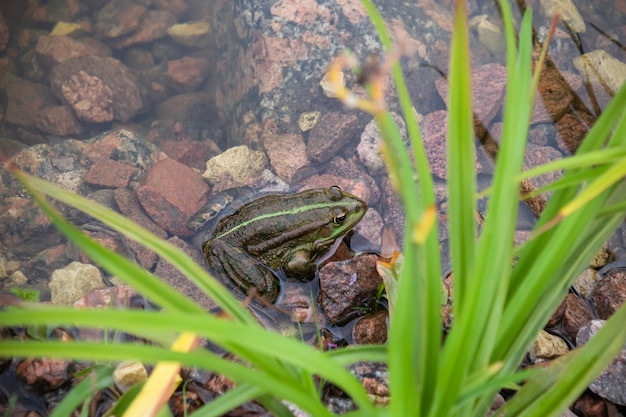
345,211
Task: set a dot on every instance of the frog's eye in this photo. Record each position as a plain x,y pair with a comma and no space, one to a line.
339,219
335,193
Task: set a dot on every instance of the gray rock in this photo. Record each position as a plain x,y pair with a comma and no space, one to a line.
611,384
371,141
330,134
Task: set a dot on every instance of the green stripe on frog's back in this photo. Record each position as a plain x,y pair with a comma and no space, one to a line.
295,210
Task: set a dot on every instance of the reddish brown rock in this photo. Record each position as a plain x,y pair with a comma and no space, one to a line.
186,74
553,97
287,153
57,10
25,100
539,155
4,33
192,153
572,129
172,192
488,86
129,207
108,173
590,405
330,134
371,329
575,315
176,7
434,134
52,50
125,95
153,26
274,54
43,375
112,297
609,293
90,97
345,285
58,120
177,280
186,107
118,18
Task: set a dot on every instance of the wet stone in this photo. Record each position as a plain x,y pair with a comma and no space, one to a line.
153,26
488,85
4,33
192,107
434,134
58,120
572,129
235,167
345,285
109,174
44,375
575,315
553,97
590,405
74,281
171,193
371,142
286,152
186,74
370,228
371,329
52,50
586,281
177,280
330,134
118,17
56,10
611,384
125,94
25,100
609,293
89,97
542,134
129,373
547,346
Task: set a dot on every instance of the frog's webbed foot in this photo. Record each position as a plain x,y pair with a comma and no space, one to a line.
301,265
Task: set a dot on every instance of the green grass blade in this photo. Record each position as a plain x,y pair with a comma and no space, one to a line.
98,378
556,387
166,250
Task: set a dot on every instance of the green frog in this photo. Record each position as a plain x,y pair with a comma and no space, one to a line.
280,235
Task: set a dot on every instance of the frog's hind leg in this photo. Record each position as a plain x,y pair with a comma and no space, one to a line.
243,270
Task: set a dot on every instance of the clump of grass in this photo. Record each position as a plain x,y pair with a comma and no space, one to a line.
498,309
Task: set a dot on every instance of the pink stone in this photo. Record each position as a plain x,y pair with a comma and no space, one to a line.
172,192
109,173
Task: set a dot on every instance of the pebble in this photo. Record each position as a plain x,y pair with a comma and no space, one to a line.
73,282
308,119
235,167
602,67
171,194
344,285
128,374
546,347
330,134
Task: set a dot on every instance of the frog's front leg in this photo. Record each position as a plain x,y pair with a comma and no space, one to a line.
242,269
